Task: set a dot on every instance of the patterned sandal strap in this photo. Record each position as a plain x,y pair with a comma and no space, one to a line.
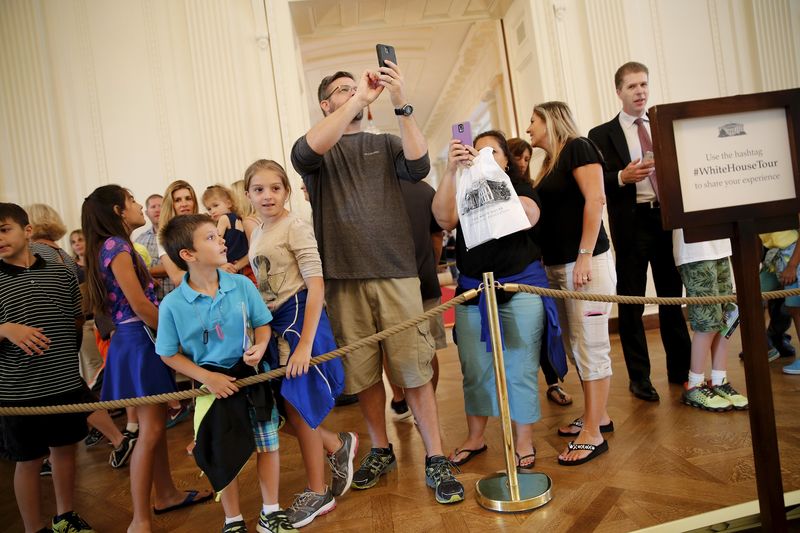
587,447
578,423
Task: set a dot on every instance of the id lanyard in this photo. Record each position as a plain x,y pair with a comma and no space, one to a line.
217,323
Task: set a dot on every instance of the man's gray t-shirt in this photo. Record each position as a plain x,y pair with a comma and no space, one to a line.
360,220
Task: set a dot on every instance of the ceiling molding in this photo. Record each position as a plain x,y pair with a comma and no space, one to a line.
321,18
475,45
434,39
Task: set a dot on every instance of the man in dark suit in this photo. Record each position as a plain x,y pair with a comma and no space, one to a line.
635,218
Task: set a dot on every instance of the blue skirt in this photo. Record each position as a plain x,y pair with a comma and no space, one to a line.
133,368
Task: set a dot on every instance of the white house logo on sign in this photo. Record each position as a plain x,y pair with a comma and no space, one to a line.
745,160
731,129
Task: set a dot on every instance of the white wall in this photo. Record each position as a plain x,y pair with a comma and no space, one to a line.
694,49
143,91
140,92
569,50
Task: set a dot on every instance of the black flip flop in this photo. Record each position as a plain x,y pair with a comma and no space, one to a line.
558,396
578,422
520,459
470,455
594,449
190,499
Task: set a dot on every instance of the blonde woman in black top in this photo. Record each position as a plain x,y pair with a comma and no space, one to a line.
522,152
576,255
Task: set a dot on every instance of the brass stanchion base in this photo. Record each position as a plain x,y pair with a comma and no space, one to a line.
493,492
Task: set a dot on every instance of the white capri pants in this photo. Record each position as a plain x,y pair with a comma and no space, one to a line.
584,324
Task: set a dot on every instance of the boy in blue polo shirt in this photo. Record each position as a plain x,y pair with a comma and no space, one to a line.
202,333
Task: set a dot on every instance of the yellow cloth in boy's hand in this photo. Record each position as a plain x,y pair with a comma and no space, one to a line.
779,239
141,250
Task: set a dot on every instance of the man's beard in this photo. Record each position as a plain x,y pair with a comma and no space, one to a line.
356,118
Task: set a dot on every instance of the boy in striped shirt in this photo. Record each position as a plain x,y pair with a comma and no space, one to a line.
40,325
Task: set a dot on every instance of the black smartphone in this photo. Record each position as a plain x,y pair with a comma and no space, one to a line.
385,52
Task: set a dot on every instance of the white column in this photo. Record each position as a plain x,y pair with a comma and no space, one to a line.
777,56
214,67
31,163
289,90
609,48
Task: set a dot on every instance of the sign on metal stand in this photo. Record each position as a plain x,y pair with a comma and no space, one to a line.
728,168
507,491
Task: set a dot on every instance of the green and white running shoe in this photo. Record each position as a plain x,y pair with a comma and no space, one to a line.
235,527
276,522
739,401
703,397
70,522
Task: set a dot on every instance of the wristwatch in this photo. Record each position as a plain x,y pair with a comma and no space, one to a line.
585,251
404,111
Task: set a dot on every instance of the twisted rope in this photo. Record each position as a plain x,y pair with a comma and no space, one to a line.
381,335
641,300
244,382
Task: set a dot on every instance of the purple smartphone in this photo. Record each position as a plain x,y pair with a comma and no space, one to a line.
463,132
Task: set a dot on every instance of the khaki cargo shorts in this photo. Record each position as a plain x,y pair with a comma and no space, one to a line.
359,308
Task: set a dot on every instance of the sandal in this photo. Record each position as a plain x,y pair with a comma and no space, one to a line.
192,497
470,455
558,395
521,460
578,423
594,450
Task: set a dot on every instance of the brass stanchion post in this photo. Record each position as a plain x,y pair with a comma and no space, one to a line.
509,490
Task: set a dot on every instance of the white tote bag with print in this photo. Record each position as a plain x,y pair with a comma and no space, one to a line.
488,206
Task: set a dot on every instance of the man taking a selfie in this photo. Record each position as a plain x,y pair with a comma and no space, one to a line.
368,259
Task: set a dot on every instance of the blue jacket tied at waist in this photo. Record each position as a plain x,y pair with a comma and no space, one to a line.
534,275
313,394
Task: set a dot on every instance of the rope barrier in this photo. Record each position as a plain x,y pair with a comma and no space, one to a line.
244,382
641,300
381,335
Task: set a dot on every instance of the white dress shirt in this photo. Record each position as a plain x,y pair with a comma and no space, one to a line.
644,189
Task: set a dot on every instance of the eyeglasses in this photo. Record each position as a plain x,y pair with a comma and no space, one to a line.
343,89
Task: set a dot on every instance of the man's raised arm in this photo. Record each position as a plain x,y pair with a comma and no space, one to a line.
326,133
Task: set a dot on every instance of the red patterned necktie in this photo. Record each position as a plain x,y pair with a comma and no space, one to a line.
647,146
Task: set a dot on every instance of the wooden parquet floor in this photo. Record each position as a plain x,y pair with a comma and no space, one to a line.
666,461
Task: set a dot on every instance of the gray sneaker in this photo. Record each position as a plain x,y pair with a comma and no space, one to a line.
341,462
308,505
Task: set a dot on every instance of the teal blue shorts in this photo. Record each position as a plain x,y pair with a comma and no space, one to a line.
770,282
522,318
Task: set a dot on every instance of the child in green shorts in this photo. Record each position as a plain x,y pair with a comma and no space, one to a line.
705,271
